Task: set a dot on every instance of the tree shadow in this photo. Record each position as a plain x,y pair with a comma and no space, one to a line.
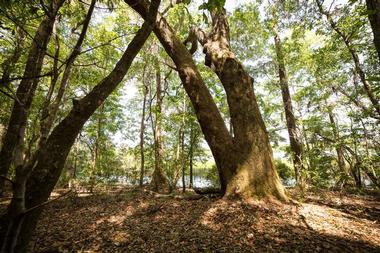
139,222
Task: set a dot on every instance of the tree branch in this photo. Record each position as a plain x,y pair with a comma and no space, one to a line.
7,179
45,203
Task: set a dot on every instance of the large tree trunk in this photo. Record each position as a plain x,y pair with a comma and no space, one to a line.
245,161
52,157
159,181
294,137
26,89
373,9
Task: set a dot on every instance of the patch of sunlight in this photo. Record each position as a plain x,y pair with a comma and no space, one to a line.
335,222
119,218
208,218
120,237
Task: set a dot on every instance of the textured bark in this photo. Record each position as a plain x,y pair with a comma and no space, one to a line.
245,161
373,9
355,58
159,181
14,135
52,157
294,137
8,67
49,114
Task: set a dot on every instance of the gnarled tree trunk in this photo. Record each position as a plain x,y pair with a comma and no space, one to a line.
245,161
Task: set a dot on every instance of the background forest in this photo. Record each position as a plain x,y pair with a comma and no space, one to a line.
324,50
235,97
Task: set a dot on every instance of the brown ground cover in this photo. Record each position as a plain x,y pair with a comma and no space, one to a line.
138,221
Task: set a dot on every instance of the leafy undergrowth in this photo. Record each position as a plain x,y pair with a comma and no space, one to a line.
138,221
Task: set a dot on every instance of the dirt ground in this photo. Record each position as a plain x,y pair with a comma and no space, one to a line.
138,221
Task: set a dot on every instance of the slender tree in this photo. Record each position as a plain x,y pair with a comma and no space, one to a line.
355,58
294,137
18,223
14,136
159,181
142,129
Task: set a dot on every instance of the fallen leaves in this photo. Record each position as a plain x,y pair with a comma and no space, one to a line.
136,221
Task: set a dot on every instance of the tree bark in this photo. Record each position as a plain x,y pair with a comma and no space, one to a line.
245,161
49,114
182,138
191,155
294,137
25,92
142,131
8,67
51,159
159,181
373,9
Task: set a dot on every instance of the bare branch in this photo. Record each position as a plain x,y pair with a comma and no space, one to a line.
45,203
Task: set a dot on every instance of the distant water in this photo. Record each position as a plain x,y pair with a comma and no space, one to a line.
198,182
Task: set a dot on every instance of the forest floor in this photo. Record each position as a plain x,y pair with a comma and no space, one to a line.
139,221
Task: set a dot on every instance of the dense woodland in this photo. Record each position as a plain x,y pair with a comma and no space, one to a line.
255,108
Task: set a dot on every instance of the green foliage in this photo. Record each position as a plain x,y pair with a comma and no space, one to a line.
284,170
322,79
212,5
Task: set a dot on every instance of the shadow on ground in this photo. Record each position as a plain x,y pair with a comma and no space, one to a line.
136,221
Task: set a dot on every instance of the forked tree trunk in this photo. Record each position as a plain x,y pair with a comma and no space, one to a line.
294,137
26,89
245,161
53,155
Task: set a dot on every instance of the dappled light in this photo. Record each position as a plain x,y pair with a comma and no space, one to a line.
189,126
118,222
